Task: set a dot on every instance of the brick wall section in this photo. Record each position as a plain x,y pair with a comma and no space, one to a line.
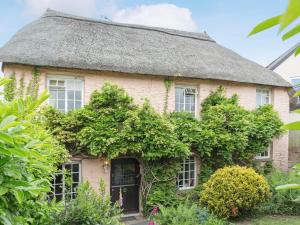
152,88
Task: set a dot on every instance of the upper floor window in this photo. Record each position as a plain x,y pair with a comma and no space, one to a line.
66,93
187,175
185,99
263,96
66,181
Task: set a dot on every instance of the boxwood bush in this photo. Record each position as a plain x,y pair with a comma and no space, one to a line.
232,191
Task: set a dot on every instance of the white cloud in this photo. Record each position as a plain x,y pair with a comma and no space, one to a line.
35,8
160,15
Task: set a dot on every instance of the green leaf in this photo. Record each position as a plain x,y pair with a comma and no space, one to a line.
19,195
292,126
3,161
19,152
297,94
296,111
4,81
291,33
5,151
288,187
291,14
265,25
7,120
297,52
3,190
6,138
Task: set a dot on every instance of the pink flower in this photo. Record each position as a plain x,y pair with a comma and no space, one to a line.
155,210
151,222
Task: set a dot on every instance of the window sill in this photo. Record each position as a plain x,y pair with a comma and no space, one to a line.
186,188
263,159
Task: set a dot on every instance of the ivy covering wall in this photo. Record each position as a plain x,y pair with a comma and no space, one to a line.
111,125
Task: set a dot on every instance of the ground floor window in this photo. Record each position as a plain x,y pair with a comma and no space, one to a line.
264,155
66,181
187,175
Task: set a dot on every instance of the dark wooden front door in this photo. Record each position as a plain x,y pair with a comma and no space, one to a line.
124,186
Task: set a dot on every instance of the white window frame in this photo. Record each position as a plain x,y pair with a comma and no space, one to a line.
196,97
263,89
259,156
183,174
294,87
65,78
61,172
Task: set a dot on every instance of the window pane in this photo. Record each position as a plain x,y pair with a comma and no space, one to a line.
78,95
70,105
70,95
61,94
77,104
52,82
52,103
75,177
61,83
61,105
78,85
70,84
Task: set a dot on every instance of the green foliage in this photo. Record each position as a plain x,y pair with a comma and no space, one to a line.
291,14
232,191
10,88
21,88
158,185
112,125
282,202
186,214
28,157
168,84
238,134
89,208
33,86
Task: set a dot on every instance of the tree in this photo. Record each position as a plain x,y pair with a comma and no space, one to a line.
28,158
290,15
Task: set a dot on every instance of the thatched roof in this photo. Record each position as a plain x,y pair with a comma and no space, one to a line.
67,41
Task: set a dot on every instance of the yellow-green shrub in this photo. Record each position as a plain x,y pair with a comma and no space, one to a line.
231,191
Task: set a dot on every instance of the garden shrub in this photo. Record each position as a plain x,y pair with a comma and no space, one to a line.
282,201
232,191
28,157
186,214
89,208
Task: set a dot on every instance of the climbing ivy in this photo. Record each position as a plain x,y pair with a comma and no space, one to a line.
168,84
10,88
21,88
33,86
111,125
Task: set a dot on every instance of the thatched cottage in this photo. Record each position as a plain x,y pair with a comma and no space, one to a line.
76,55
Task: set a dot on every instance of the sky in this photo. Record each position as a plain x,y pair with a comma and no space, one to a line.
226,21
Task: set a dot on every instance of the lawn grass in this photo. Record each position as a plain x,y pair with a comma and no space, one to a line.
272,220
